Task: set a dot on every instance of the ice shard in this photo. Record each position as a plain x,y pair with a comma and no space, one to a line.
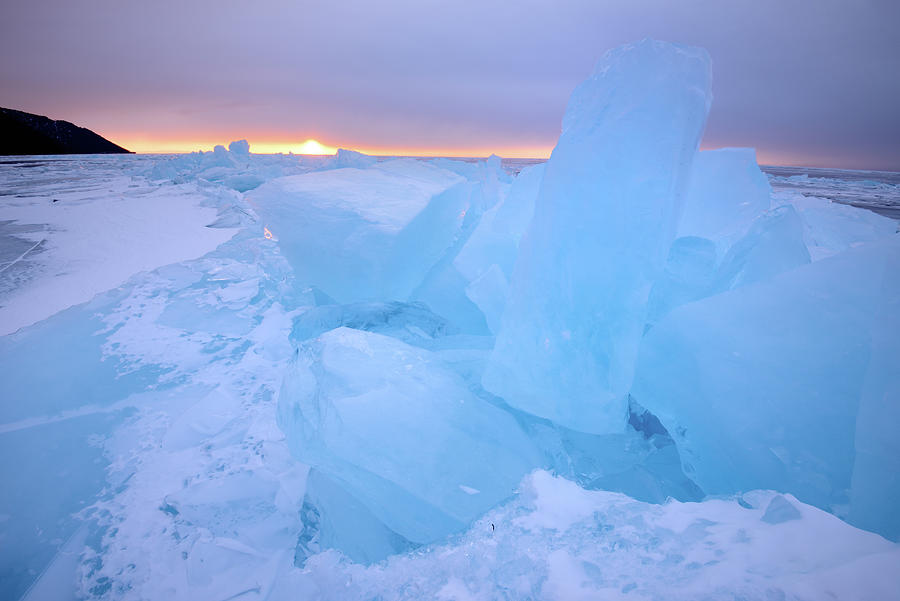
604,218
364,234
400,433
727,192
787,384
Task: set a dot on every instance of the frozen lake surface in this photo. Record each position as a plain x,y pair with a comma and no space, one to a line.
146,324
146,308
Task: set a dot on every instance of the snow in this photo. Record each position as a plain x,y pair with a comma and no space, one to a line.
82,247
555,540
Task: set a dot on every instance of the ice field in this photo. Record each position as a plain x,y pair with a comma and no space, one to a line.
636,371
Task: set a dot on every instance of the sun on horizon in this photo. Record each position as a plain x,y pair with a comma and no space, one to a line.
314,147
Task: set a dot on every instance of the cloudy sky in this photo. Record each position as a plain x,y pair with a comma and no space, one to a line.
805,82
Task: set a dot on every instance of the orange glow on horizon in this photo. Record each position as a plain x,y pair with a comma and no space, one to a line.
273,145
268,145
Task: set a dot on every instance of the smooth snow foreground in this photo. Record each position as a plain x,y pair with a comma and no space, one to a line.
634,372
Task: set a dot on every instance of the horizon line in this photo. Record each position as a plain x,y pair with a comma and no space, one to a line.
484,154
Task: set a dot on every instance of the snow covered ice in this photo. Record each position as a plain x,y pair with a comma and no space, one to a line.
638,371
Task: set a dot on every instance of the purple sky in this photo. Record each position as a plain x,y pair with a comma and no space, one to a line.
807,82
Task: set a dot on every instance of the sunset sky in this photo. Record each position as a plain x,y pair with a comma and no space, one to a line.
805,82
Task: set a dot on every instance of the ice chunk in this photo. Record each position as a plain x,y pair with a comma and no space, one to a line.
334,519
774,244
761,386
490,169
496,239
605,216
364,234
412,323
727,192
242,182
830,228
641,462
400,432
875,486
239,147
488,257
488,291
444,289
351,158
780,510
688,276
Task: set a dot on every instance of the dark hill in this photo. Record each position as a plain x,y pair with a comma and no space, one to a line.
24,133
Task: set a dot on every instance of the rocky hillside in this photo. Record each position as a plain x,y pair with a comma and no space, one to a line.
25,133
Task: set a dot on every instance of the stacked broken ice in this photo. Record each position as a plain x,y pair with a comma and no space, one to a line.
630,372
635,315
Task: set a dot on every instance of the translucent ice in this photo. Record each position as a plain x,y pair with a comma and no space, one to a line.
773,244
761,386
727,191
830,227
445,288
728,235
400,432
604,218
875,486
496,239
489,255
412,323
364,234
695,267
334,519
688,276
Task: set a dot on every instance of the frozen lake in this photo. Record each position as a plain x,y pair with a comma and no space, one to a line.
151,308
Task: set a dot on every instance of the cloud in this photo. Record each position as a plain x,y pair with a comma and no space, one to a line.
799,78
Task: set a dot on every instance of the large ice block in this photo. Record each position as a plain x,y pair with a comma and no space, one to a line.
334,519
400,432
695,268
875,486
444,289
773,244
780,384
606,213
728,235
727,192
364,234
489,255
496,239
